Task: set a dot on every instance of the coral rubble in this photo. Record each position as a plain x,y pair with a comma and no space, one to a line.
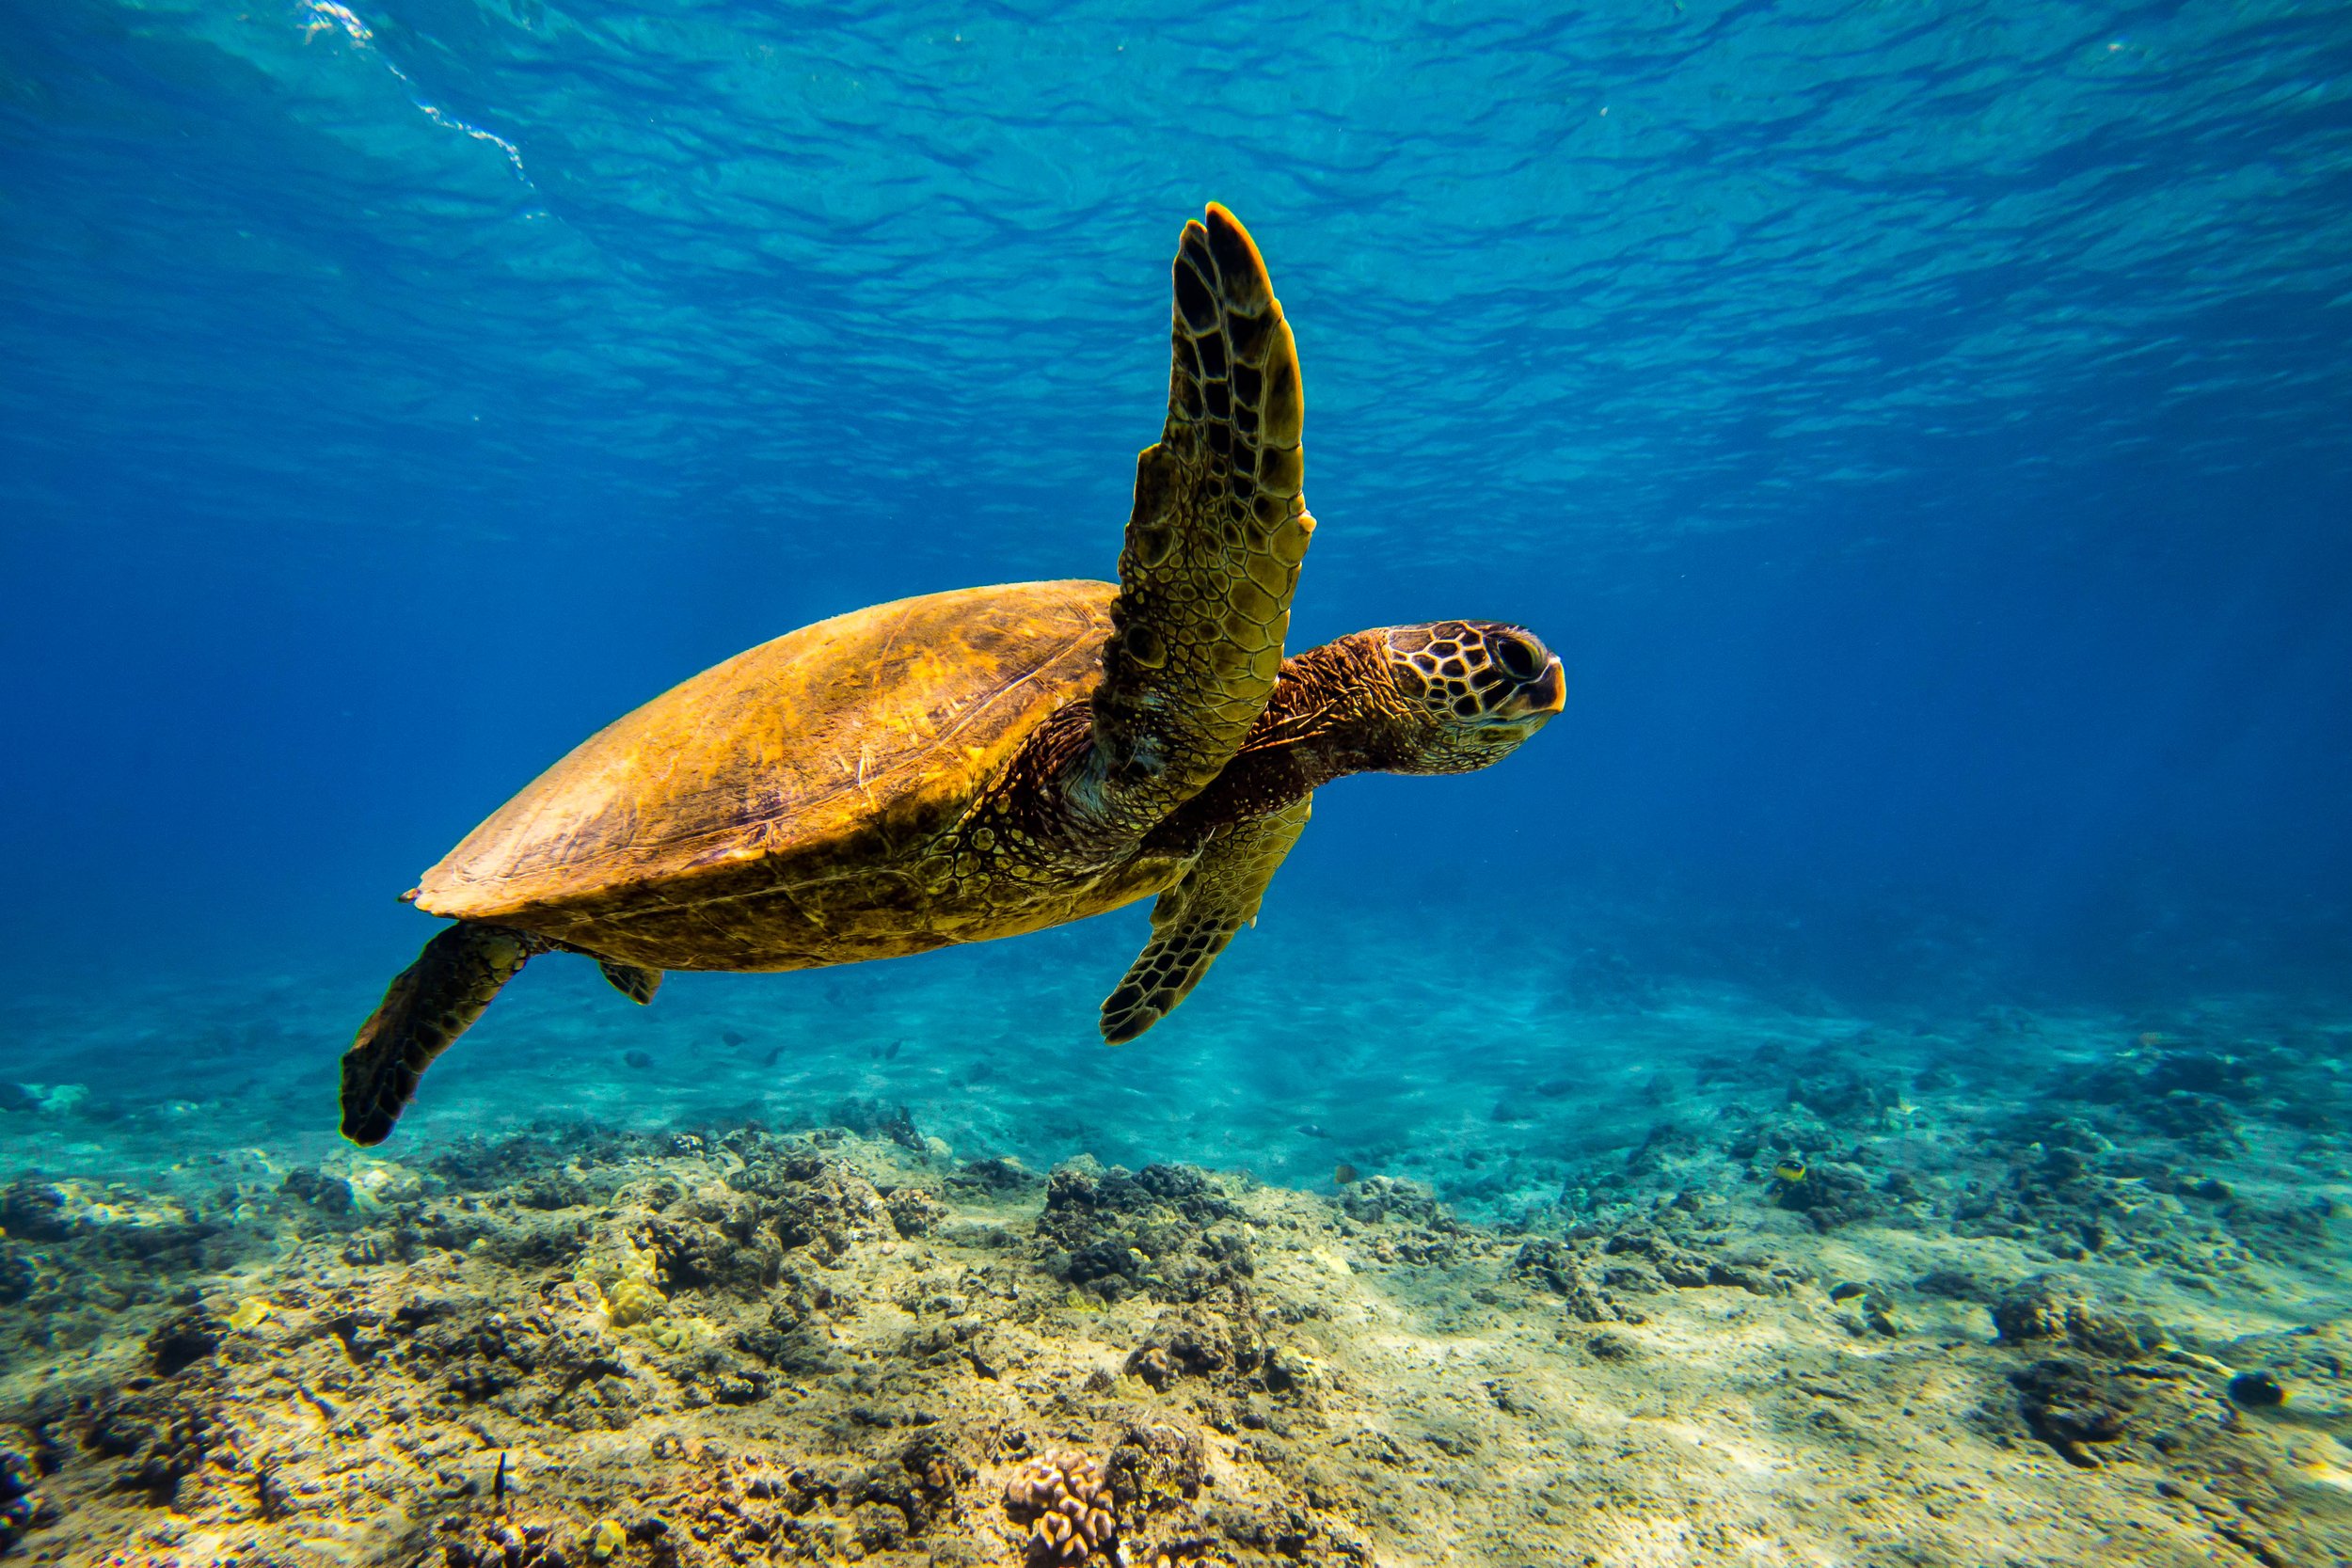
1806,1308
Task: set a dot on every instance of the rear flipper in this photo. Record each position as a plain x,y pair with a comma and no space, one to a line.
636,983
435,1000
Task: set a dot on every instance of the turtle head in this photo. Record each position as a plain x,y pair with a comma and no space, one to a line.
1471,691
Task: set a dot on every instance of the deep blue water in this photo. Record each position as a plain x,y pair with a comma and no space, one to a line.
1921,430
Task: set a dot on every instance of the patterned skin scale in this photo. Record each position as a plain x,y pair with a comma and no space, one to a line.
988,762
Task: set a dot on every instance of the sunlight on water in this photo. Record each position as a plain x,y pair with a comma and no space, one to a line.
327,16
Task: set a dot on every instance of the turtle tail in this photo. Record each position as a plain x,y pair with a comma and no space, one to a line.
433,1002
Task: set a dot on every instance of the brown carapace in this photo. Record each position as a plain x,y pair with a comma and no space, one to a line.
988,762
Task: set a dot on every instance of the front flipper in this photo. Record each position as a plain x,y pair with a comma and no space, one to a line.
1194,919
1213,543
433,1002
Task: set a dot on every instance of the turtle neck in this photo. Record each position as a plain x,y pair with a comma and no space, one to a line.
1333,712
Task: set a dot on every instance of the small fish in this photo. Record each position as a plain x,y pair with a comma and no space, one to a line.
1313,1129
1343,1174
1790,1171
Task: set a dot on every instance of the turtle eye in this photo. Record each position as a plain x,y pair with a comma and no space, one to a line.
1518,656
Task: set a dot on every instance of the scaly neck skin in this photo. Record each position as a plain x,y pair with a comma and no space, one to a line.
1334,712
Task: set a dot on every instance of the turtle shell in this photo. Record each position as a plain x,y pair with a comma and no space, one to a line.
833,748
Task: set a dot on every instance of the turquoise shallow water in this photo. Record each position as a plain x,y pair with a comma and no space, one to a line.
1918,430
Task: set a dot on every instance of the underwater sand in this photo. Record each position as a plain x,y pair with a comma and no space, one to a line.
816,1273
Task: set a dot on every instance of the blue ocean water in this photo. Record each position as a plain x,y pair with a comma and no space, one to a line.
1920,429
1868,1085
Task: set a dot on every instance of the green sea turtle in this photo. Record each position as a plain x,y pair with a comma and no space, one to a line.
982,763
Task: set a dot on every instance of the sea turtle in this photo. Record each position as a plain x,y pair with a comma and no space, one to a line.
986,762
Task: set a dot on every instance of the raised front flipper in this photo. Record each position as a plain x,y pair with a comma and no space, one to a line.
1194,919
1213,546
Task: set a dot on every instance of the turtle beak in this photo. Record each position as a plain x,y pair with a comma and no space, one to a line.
1531,705
1544,696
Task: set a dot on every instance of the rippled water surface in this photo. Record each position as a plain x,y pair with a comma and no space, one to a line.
1658,267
